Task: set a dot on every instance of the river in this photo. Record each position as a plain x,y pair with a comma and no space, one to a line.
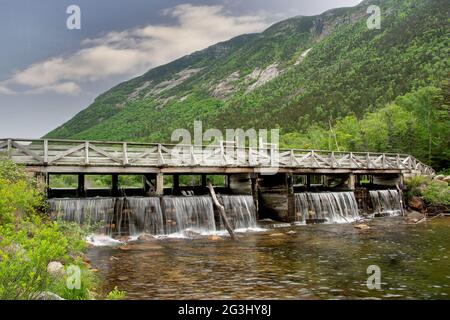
302,262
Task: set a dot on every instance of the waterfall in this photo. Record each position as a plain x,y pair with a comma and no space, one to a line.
240,210
386,202
112,216
331,207
96,212
146,216
301,207
189,213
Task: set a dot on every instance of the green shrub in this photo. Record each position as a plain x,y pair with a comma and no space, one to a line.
25,253
88,283
116,294
437,193
415,186
29,241
17,198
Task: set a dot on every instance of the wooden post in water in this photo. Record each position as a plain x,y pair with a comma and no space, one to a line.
222,211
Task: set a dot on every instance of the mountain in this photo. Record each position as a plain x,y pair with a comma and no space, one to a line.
300,74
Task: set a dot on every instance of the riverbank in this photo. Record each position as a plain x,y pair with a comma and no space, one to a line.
39,259
427,196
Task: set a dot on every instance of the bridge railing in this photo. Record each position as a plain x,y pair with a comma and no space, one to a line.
56,152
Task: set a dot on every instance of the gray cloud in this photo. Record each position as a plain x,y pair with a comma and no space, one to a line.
133,51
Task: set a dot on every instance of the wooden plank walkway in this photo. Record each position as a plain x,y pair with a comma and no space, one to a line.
53,155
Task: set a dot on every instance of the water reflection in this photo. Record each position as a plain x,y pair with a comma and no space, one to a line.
305,262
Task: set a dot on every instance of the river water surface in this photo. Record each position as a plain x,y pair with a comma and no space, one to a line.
303,262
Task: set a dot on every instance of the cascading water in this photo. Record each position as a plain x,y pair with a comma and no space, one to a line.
112,216
329,207
386,202
96,212
189,213
146,216
240,211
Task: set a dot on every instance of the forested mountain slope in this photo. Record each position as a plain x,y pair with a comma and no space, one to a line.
303,75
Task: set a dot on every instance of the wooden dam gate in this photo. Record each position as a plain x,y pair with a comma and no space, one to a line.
270,174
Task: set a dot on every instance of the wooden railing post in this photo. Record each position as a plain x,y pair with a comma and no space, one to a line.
86,152
292,158
9,149
45,152
160,156
125,154
332,159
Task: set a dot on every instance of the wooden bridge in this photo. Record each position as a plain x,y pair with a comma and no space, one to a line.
96,157
270,175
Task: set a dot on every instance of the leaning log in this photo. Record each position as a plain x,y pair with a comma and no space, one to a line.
400,193
221,210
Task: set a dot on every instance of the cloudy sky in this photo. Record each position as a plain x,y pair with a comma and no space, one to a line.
48,73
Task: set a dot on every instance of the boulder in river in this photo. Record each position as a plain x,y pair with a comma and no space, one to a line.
413,217
362,226
192,234
277,235
214,238
416,203
146,237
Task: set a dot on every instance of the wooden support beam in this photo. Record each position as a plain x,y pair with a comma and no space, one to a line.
290,198
159,184
176,184
308,182
81,190
115,185
351,181
204,180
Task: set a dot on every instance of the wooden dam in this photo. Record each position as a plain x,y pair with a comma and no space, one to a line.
270,175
